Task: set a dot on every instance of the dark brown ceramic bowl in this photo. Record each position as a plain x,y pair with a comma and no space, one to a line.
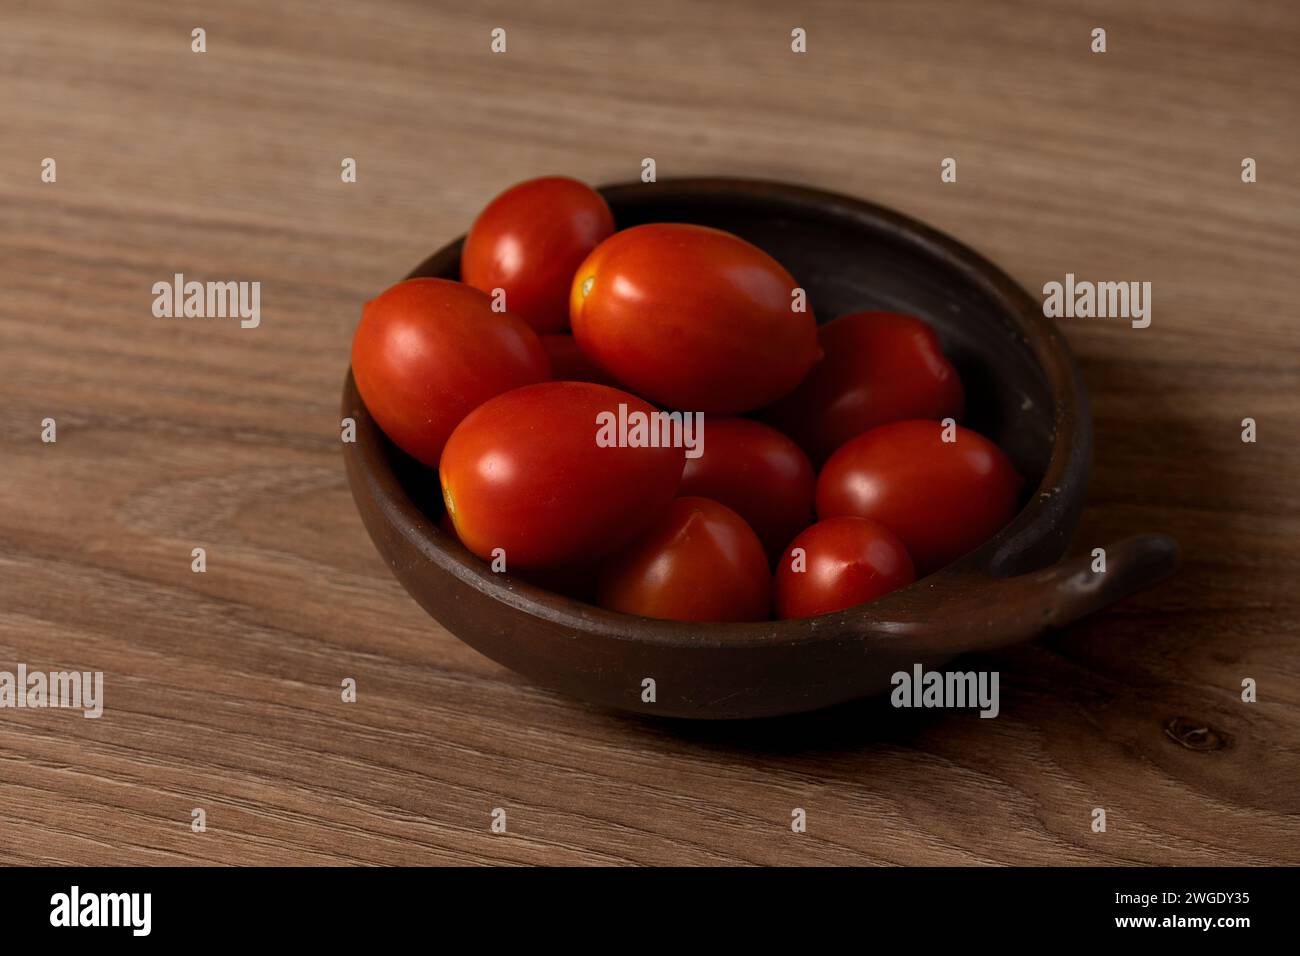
1023,390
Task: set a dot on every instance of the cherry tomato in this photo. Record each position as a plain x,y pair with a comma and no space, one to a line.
757,472
840,562
524,472
880,367
577,581
427,352
693,318
569,363
942,499
699,562
529,240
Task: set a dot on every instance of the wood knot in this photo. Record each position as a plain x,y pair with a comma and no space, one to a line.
1196,734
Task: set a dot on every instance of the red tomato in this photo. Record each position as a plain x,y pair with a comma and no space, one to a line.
757,472
569,363
880,367
699,562
577,581
942,499
693,318
845,561
523,472
427,352
529,240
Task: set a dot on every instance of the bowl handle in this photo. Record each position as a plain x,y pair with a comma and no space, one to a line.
994,612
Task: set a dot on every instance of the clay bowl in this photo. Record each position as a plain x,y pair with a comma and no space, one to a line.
1024,392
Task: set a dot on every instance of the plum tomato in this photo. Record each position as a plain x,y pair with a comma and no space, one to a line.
427,352
692,318
525,473
840,562
943,499
577,581
879,367
569,363
757,472
699,562
530,240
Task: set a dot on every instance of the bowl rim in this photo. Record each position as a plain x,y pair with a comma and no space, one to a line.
1000,555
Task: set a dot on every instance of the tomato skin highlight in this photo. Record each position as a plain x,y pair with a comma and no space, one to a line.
757,472
569,363
529,241
427,352
699,562
692,318
942,499
847,561
879,367
524,473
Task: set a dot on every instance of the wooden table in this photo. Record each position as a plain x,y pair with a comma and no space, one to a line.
222,689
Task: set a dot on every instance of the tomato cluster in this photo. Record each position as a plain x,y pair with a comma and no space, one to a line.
651,419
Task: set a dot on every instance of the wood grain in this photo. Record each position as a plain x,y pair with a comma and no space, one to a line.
222,689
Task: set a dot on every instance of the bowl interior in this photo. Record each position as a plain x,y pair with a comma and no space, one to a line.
848,261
